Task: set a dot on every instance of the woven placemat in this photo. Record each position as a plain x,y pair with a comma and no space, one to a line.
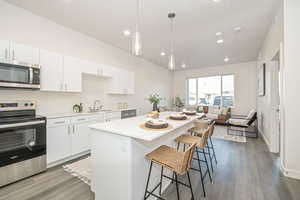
177,120
142,126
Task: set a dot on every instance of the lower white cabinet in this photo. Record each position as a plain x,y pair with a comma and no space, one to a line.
69,137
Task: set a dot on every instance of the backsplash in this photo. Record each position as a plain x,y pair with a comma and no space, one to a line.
60,102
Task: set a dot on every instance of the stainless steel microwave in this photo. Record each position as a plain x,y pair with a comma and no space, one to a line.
18,76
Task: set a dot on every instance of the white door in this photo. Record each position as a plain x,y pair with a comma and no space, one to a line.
24,54
4,51
72,74
51,71
80,137
58,142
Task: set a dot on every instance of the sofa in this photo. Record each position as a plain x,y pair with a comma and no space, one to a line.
219,114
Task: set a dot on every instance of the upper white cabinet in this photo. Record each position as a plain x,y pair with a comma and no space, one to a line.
52,71
88,67
72,74
123,82
4,51
23,54
60,73
92,68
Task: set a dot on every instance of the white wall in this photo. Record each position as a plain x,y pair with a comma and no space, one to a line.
244,85
22,26
270,48
291,95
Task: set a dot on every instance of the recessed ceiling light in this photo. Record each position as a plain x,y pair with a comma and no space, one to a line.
183,65
126,32
220,41
218,33
162,53
216,0
226,59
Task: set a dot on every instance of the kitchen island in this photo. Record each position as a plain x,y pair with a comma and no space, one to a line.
118,149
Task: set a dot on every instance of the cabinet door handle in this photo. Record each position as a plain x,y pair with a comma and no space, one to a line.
61,87
73,129
68,130
60,122
66,87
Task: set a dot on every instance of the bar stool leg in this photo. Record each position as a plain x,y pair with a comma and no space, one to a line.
161,176
148,179
207,165
188,175
177,188
213,149
201,175
210,159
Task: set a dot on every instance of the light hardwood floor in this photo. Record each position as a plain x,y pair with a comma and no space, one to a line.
246,171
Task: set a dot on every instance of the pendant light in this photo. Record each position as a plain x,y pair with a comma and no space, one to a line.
171,64
136,39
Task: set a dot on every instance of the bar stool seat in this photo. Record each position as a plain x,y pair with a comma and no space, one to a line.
196,130
188,139
178,162
169,158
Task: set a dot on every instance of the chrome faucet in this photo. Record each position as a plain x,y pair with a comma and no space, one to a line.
97,105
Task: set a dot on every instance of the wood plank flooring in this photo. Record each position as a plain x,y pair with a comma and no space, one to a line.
246,171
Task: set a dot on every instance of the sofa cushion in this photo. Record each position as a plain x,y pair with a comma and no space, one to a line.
239,122
213,110
224,111
212,116
251,114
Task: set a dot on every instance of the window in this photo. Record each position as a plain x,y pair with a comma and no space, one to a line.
211,91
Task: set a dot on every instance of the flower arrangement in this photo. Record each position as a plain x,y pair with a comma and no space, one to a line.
154,99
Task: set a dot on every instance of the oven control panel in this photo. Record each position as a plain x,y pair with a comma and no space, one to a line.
17,105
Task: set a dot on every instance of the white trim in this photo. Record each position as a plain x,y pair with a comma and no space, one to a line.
290,172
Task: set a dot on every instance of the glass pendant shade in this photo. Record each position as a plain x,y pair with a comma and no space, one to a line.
171,62
137,44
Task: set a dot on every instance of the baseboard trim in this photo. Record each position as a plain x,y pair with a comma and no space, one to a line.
295,174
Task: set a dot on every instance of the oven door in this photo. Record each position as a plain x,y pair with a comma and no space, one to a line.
17,76
22,141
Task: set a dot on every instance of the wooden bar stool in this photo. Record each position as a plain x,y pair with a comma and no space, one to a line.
210,145
201,143
199,127
177,161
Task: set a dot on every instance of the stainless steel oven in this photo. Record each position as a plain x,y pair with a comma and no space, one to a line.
22,141
18,76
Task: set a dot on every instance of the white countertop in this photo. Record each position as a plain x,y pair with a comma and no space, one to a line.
131,127
73,114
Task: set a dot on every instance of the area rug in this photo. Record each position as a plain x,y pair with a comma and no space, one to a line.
80,169
220,132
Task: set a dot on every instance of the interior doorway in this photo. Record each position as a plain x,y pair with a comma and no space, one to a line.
275,103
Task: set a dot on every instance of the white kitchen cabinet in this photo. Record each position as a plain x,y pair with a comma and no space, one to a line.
113,115
4,51
58,140
24,55
69,137
122,82
51,71
72,74
107,71
90,68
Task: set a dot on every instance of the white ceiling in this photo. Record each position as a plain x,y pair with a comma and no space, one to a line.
196,24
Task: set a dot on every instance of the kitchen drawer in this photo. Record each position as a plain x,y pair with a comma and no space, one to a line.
58,122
